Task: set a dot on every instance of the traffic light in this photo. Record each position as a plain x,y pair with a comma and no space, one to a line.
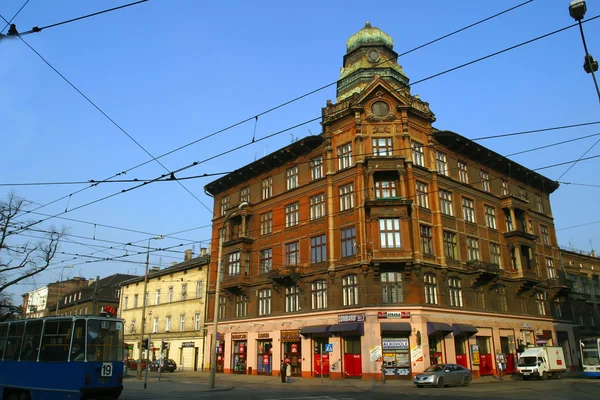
163,346
145,343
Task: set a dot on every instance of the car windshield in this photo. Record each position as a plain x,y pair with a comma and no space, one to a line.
435,368
527,361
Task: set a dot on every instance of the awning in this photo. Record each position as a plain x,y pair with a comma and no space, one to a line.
357,328
433,327
315,329
396,327
464,329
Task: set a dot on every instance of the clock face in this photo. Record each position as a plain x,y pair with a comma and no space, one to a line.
373,55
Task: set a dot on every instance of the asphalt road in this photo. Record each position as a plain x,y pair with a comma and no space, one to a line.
514,390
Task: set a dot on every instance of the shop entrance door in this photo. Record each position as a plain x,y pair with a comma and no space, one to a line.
264,362
486,359
461,351
352,357
510,357
320,343
220,354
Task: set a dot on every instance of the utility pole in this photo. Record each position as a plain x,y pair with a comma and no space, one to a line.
95,295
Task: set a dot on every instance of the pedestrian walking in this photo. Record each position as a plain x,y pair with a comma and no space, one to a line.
501,362
288,373
283,371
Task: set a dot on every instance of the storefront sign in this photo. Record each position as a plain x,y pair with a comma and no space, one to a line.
375,353
395,344
266,360
239,336
351,318
263,335
188,344
290,336
416,354
475,354
294,348
393,314
525,325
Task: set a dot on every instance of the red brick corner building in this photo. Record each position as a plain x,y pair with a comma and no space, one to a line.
390,243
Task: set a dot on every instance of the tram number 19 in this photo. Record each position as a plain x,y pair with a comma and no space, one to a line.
107,369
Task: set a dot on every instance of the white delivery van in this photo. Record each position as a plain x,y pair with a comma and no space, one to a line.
542,362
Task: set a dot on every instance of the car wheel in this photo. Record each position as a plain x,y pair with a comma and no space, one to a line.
466,381
440,382
543,376
558,375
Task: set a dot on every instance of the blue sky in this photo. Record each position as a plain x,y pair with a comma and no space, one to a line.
171,72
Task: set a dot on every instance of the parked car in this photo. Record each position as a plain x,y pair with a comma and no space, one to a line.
167,365
441,375
132,364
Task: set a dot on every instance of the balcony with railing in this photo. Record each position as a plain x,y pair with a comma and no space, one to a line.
286,274
484,271
235,282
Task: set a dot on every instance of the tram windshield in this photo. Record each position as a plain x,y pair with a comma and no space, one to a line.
104,340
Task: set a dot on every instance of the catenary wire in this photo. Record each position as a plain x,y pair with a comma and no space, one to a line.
274,108
14,16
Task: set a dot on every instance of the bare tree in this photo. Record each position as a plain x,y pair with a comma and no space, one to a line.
22,259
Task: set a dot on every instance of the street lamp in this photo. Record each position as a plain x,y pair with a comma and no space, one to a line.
213,341
577,9
59,286
139,370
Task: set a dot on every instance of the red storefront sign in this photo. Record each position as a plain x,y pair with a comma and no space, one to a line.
393,314
266,360
294,348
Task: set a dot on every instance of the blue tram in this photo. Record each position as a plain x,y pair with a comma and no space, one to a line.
53,358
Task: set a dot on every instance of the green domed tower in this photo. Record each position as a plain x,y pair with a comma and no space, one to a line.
369,52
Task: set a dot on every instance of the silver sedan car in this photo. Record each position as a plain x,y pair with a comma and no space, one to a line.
441,375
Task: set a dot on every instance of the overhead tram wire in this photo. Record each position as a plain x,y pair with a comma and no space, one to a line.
319,117
280,105
14,16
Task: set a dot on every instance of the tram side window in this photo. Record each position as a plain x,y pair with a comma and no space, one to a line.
78,346
31,343
13,341
56,340
3,332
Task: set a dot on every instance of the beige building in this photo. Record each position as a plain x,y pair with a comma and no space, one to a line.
175,311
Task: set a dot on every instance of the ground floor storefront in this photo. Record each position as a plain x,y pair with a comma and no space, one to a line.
186,351
366,343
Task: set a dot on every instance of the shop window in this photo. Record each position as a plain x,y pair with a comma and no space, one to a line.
293,355
436,348
264,356
240,348
391,288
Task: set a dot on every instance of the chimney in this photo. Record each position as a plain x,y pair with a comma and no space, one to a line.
593,253
188,254
203,251
173,263
90,281
154,269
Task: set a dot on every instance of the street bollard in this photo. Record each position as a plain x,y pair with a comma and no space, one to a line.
382,374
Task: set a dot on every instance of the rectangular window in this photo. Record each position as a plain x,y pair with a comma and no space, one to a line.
347,197
422,194
441,163
170,295
350,290
245,194
545,234
234,264
490,217
264,302
540,302
473,248
135,301
317,206
495,254
426,240
485,181
382,147
182,323
348,242
199,289
446,202
479,299
292,253
450,248
418,154
197,322
468,210
391,287
184,291
538,203
319,295
267,188
292,215
389,233
455,291
125,302
146,297
557,308
385,189
224,204
316,168
266,223
292,299
155,325
502,300
241,305
463,172
292,178
318,249
550,268
168,324
505,190
344,156
157,296
266,260
222,307
522,192
430,289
